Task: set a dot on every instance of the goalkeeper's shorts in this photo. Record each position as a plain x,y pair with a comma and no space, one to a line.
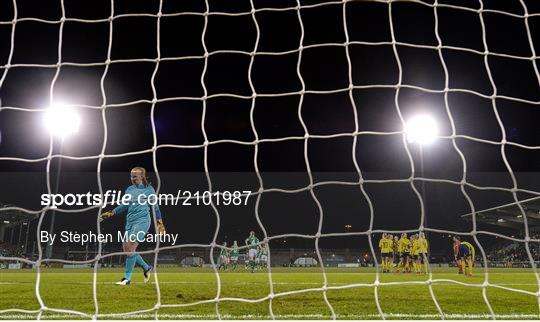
137,230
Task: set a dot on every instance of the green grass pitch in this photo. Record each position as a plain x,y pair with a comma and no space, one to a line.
71,289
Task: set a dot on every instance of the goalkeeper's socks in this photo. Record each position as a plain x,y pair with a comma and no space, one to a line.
139,261
130,264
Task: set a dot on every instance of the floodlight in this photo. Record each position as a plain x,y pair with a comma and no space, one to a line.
62,120
421,129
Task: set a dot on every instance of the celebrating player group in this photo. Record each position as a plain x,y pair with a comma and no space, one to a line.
257,255
409,255
404,254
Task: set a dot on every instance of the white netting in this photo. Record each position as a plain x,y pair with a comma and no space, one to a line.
525,17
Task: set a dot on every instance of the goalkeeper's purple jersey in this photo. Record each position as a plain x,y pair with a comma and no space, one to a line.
139,211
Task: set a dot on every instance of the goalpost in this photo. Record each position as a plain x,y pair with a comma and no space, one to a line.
395,44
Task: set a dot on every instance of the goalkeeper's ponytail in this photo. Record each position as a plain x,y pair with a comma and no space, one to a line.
143,173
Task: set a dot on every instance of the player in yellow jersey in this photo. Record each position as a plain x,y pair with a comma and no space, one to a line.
395,259
470,260
383,257
423,256
383,237
415,253
385,245
404,248
391,257
463,255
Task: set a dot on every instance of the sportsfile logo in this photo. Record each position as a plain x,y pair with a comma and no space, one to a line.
86,199
115,197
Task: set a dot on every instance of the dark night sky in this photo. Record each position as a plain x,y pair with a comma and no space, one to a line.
322,68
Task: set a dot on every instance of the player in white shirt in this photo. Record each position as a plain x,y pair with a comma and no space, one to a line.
263,262
223,257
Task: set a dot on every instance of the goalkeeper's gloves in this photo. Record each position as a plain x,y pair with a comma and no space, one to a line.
105,215
160,227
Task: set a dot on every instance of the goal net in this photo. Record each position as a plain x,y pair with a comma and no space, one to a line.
317,94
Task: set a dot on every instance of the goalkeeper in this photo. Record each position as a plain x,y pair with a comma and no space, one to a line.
138,221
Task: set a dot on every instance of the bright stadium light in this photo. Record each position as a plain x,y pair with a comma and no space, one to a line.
62,120
421,129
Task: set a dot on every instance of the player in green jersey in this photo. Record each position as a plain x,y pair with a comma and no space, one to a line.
252,243
223,257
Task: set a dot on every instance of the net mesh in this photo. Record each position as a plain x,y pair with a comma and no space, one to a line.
493,96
